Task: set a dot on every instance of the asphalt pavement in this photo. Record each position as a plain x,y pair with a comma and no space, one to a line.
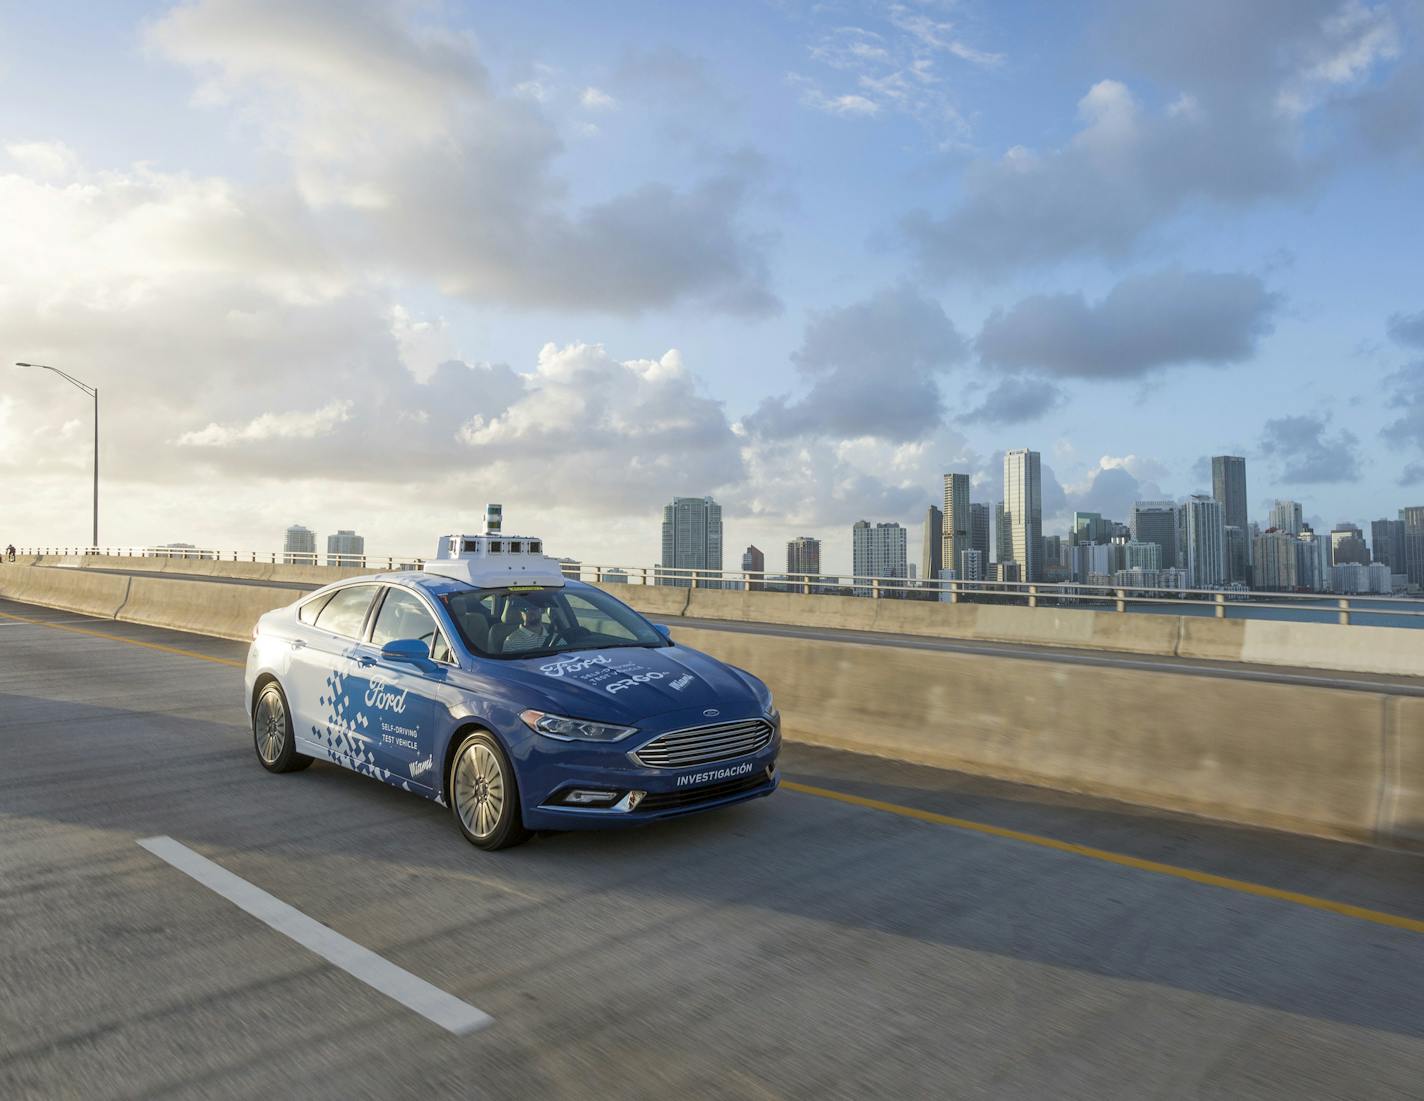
798,946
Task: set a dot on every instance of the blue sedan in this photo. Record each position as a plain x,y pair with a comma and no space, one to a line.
522,707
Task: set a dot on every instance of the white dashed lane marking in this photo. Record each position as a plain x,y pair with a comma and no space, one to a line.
432,1003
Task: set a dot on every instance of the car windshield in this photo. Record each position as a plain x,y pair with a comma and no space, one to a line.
536,622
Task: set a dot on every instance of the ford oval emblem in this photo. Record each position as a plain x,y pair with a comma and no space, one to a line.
711,713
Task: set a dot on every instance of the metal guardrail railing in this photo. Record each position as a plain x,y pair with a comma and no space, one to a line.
1031,594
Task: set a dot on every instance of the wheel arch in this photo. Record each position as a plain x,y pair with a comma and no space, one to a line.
262,681
452,745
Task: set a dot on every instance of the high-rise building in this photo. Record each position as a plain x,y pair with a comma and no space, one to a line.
803,557
345,548
1387,543
979,531
1285,516
957,523
1412,518
754,562
1138,555
1228,485
877,550
971,565
1156,522
299,546
1276,562
1238,555
1023,510
932,551
1090,527
1206,543
1003,537
692,540
1347,544
1313,565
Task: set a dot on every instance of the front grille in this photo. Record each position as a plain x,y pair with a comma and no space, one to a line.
691,797
705,745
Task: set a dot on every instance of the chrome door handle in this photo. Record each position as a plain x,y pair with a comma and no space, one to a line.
297,643
365,662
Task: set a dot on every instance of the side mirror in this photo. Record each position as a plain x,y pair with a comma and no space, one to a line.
406,649
664,630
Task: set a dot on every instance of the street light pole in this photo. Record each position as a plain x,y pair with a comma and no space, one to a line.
93,392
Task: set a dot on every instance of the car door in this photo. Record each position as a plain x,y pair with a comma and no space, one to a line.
325,709
399,697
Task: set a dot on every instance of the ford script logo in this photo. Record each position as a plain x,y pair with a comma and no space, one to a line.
711,713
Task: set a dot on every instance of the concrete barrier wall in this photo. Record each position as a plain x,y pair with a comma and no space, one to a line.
1390,650
200,607
1319,761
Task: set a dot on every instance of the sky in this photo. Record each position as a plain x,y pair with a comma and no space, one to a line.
372,264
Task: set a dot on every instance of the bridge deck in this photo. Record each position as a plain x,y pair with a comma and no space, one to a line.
798,946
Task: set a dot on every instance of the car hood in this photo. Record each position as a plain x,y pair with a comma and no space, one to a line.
629,684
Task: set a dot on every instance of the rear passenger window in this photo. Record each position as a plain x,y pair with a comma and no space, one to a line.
308,612
345,612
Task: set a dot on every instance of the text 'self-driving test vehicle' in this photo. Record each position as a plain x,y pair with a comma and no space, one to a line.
522,700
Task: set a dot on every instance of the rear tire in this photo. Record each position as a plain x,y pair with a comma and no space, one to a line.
484,795
272,731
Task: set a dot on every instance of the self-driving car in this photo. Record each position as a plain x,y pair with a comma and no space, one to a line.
522,700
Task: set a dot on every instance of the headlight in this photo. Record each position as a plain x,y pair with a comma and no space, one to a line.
574,730
772,714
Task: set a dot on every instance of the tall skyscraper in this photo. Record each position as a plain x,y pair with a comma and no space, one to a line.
1003,537
1312,562
1090,527
1238,555
1228,485
345,548
1285,516
1412,518
754,562
1387,543
877,550
300,545
1156,522
932,551
1276,559
1347,545
1206,543
803,557
1023,510
957,521
979,532
692,539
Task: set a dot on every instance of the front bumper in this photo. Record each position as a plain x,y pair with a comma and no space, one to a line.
638,795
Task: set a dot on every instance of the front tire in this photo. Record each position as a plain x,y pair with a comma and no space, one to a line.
484,795
272,732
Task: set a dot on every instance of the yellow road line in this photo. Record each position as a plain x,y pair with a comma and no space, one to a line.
1240,885
130,641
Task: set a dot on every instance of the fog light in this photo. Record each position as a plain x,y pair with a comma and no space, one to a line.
634,798
580,797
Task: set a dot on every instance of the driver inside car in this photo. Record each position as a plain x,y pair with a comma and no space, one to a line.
528,633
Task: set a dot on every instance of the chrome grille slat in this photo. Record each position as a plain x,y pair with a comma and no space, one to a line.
705,745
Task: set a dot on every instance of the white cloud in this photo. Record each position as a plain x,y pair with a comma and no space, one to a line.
412,160
596,99
45,160
272,426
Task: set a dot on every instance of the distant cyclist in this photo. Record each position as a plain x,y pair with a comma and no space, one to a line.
10,553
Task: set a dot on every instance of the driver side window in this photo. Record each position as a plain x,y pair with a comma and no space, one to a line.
403,616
